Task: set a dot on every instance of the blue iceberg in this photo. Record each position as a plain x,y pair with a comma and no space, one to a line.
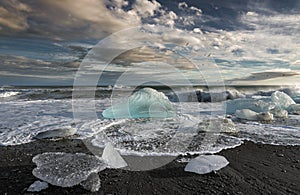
145,103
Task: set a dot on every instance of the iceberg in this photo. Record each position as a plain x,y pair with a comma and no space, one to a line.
145,103
247,114
206,163
253,116
92,183
65,169
280,113
294,109
282,100
37,186
112,157
261,105
234,94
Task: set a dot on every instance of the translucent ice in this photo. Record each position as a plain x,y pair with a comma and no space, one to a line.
37,186
144,103
112,157
65,169
282,100
206,163
56,133
92,183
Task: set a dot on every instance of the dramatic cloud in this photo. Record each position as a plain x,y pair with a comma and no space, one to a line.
13,15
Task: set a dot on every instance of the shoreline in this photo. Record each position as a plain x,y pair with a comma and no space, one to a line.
253,169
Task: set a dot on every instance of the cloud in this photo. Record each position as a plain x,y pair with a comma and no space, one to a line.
79,19
13,15
55,18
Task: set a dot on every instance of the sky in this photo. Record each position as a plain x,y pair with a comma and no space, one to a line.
236,42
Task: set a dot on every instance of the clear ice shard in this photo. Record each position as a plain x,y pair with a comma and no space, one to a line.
66,169
92,183
145,103
206,163
37,186
282,100
56,133
112,157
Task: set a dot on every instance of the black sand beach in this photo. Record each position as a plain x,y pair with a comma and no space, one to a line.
253,169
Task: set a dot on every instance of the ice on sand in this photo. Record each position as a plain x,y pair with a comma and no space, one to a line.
146,102
65,169
282,100
37,186
112,157
92,183
206,163
56,133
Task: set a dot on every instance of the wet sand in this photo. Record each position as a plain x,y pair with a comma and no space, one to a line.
253,169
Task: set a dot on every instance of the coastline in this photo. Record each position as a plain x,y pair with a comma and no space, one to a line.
253,169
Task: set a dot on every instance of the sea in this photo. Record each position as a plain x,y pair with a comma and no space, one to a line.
196,128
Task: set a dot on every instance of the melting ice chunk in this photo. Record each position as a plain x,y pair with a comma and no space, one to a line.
218,125
253,116
37,186
112,157
247,114
144,103
56,133
65,169
206,163
280,113
294,108
282,100
262,105
92,183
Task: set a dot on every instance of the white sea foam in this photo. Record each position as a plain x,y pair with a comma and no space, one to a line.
6,94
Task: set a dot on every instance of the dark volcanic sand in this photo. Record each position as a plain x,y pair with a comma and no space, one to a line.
253,169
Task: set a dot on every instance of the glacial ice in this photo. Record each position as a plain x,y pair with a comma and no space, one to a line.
112,157
206,163
56,133
282,100
280,113
92,183
234,94
253,116
146,102
37,186
66,169
261,105
294,108
247,114
218,125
